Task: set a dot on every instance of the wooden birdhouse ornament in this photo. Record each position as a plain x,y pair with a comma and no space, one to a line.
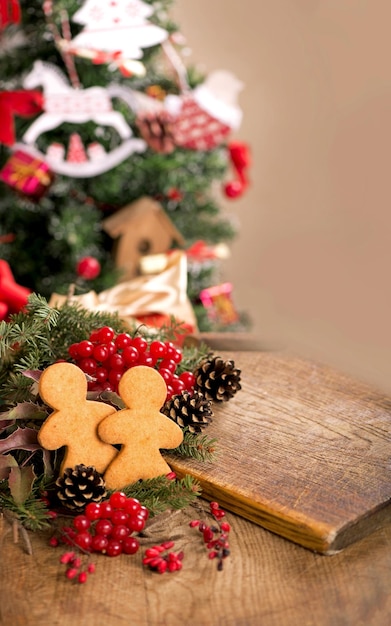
140,228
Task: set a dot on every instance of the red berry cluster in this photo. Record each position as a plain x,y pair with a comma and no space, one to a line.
106,528
105,356
215,536
74,567
159,562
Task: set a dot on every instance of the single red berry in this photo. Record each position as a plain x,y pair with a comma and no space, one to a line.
111,347
85,348
147,359
73,351
136,524
106,509
91,568
81,522
194,523
83,540
158,349
139,343
53,541
132,506
114,377
101,374
100,353
123,340
116,362
119,517
88,365
99,543
166,375
130,545
105,335
88,267
130,356
82,578
225,527
168,364
114,548
118,500
162,566
177,384
120,532
71,572
189,379
103,527
143,512
67,557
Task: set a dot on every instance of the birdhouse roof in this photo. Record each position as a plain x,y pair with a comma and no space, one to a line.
137,211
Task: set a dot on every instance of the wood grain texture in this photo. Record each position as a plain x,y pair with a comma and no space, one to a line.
304,451
266,581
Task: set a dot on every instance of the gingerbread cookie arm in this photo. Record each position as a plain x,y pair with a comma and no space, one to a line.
170,435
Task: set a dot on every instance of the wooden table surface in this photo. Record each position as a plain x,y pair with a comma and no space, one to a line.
266,581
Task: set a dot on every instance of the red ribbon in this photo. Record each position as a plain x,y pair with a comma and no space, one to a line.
9,12
24,103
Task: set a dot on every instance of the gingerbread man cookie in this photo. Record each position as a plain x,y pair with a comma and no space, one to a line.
141,429
74,422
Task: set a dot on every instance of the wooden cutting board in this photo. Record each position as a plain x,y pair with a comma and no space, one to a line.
304,451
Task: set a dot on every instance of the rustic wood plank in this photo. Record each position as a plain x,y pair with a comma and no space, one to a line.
305,452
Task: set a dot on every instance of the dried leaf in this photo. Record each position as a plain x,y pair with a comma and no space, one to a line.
20,439
6,462
20,482
24,411
34,374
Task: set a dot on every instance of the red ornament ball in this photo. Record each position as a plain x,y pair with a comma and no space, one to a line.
88,267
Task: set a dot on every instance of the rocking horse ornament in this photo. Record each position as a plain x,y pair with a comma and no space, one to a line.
62,103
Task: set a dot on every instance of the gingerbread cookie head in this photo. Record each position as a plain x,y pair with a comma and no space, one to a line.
74,421
60,381
142,388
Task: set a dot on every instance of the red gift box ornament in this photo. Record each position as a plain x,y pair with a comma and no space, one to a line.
27,174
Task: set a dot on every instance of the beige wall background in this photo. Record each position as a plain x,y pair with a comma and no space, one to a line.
312,260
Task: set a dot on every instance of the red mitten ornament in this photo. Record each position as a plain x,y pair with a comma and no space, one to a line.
239,154
13,297
9,13
23,103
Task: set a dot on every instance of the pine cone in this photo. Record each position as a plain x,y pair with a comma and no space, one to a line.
217,379
191,410
158,131
80,485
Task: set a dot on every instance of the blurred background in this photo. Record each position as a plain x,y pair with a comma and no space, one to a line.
311,262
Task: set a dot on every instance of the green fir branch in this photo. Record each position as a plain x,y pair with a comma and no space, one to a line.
197,446
161,493
32,514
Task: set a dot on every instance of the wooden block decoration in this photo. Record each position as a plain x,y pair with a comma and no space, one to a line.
141,429
74,421
140,228
305,452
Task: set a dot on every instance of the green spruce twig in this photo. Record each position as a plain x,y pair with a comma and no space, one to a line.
197,446
161,493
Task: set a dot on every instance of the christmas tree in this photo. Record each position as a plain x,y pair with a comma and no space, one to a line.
106,137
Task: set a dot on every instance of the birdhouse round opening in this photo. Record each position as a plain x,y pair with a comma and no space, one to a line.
144,246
